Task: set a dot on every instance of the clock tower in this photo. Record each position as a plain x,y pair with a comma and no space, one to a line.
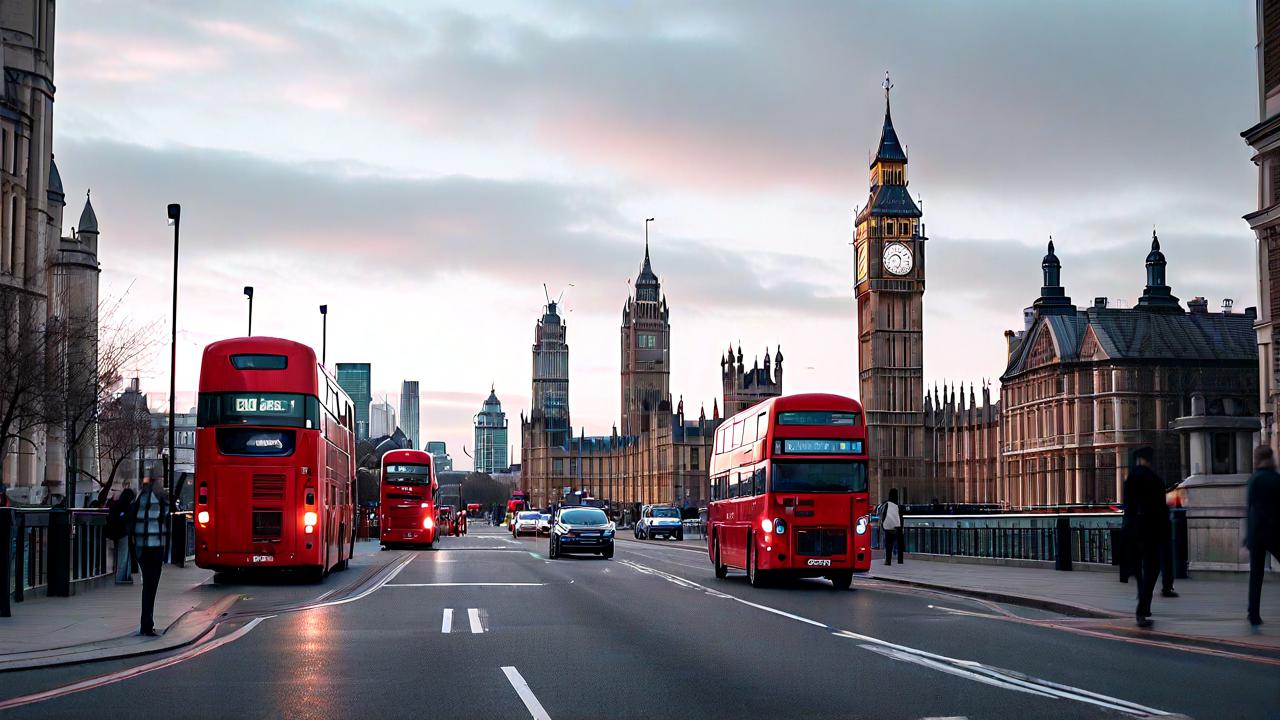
889,240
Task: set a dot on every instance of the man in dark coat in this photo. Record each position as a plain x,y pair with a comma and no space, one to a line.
1262,528
1146,524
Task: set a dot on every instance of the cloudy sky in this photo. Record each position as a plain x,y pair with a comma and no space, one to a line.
424,167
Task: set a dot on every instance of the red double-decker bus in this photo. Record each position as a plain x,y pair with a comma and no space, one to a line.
275,465
789,491
408,499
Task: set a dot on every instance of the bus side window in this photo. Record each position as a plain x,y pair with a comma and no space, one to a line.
737,433
759,480
762,425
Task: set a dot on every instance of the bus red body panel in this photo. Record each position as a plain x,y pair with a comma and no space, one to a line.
408,507
798,463
275,459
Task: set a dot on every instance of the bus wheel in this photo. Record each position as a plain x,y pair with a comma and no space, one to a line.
754,576
841,580
721,571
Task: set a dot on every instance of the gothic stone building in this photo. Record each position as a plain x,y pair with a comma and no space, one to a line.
655,455
1082,387
48,282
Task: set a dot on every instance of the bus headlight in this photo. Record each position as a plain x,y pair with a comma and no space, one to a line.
202,517
766,525
427,523
309,518
779,525
861,527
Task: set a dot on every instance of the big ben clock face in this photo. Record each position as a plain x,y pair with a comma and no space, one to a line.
897,259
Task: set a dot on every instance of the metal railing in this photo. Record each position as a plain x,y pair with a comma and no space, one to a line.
49,549
1062,539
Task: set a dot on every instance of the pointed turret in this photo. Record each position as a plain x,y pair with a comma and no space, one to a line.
88,219
1157,295
1053,298
890,148
715,409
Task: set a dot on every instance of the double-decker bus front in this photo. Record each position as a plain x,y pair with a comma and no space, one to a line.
789,489
408,502
274,460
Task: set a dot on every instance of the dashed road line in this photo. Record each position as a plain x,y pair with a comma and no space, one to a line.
473,615
446,625
466,584
530,700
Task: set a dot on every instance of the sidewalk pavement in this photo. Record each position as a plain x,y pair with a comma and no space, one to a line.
102,621
1209,605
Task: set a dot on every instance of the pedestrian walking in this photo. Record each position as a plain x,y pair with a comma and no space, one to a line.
891,526
119,511
1262,525
1146,525
146,538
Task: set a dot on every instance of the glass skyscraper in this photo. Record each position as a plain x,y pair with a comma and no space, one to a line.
356,380
409,418
491,437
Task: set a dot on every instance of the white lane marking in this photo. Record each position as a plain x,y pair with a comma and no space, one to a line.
522,689
473,614
133,672
364,594
446,625
677,580
702,552
999,677
965,668
325,595
467,584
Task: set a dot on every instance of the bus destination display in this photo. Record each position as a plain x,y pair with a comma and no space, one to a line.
822,447
265,405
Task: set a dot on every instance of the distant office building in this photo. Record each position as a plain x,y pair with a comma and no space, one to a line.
355,380
440,455
491,436
382,419
410,421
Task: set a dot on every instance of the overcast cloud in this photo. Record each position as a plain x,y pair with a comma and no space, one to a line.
427,166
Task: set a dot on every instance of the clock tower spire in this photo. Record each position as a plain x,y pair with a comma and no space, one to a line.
889,240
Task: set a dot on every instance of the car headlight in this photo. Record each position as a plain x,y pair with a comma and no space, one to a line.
608,533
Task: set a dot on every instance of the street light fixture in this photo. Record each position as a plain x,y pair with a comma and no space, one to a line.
175,218
248,292
324,334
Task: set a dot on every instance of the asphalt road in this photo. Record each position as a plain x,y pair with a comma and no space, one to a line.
487,627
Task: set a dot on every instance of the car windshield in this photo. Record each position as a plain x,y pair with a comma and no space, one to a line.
583,516
529,516
819,476
544,517
666,513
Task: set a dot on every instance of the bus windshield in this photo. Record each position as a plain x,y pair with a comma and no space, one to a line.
818,417
405,474
819,476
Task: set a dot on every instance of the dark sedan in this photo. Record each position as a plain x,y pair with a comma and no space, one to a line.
581,530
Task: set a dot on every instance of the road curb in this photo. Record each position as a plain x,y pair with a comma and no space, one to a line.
1031,601
189,627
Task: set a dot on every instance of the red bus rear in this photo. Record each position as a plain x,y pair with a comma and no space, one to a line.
408,499
275,463
789,491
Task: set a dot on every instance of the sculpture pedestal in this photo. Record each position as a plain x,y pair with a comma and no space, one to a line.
1215,507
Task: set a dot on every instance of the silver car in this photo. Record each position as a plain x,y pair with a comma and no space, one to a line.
526,523
659,521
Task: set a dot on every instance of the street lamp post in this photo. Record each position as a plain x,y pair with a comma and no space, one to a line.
175,218
324,334
248,292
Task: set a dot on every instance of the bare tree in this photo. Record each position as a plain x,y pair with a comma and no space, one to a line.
25,375
94,356
124,433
